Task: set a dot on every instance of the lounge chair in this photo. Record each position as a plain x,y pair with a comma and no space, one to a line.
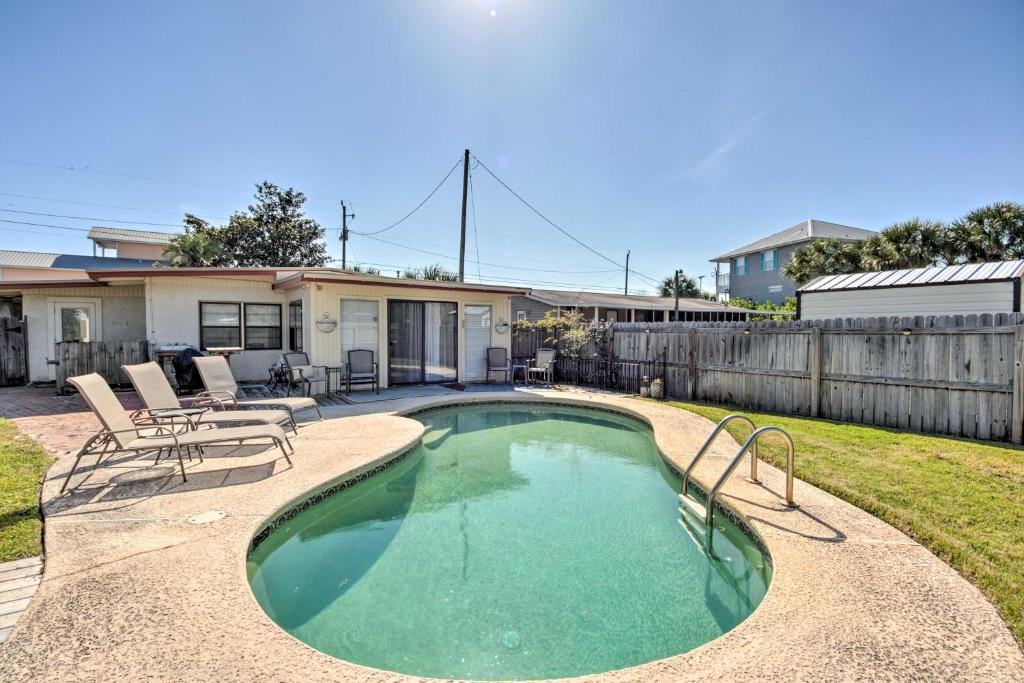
543,364
220,384
300,372
127,436
157,395
497,361
361,368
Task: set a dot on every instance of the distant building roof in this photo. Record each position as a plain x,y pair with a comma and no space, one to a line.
971,272
801,232
32,259
111,236
569,299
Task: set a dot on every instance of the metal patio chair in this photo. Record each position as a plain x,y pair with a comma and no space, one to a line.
121,434
159,398
542,364
221,385
361,368
302,373
498,361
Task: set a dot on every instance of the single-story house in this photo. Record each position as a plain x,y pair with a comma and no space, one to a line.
421,331
620,307
939,290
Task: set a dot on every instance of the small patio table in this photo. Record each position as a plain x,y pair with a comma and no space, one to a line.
526,373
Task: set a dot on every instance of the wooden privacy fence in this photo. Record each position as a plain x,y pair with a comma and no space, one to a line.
104,358
12,352
956,375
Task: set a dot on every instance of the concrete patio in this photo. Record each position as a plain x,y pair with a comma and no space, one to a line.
145,576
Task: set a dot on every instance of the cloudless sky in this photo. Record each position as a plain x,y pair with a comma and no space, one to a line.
677,130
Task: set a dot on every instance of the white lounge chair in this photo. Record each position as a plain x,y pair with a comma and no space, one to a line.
221,385
543,364
121,434
157,395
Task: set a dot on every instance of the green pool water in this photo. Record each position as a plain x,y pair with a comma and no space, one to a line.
516,542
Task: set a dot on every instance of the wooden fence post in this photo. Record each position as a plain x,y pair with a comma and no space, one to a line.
1017,411
814,363
691,363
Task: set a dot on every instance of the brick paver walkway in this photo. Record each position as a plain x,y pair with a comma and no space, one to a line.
60,423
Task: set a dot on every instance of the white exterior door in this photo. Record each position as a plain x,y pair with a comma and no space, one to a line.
477,340
359,327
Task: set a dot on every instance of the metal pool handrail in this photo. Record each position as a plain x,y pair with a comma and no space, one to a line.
707,444
749,443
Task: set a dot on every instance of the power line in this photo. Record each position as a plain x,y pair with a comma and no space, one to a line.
425,200
89,218
555,225
45,225
484,263
104,206
86,169
476,237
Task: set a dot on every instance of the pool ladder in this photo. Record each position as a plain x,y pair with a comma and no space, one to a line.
707,511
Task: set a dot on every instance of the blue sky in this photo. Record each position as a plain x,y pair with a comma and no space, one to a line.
677,130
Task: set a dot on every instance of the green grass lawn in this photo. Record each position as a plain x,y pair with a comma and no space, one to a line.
962,499
23,463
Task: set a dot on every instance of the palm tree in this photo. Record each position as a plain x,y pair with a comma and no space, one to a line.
991,233
687,287
822,257
910,244
193,251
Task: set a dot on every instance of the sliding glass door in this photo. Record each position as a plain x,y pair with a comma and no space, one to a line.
422,341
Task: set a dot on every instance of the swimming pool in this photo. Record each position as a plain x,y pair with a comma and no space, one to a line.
515,542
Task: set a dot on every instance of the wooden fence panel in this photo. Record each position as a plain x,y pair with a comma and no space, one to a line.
103,358
12,352
957,375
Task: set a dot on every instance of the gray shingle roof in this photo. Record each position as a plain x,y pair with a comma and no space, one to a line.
971,272
801,232
101,234
32,259
558,297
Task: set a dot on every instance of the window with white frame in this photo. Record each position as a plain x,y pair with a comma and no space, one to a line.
520,315
768,259
739,265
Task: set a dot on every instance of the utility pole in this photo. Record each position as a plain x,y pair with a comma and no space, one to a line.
345,215
700,285
462,238
626,290
676,288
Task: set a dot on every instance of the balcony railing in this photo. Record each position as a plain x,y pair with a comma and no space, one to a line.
722,283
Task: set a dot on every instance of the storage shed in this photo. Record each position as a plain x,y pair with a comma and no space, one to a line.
939,290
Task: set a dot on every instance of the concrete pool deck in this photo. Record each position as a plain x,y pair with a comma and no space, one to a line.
140,583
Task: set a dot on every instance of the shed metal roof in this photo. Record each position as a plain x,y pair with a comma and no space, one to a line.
801,232
570,299
103,234
32,259
971,272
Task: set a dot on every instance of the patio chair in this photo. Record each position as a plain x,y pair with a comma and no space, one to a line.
121,434
220,384
157,395
498,361
299,371
543,364
361,368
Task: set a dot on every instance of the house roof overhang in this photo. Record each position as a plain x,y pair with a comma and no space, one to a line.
335,277
17,285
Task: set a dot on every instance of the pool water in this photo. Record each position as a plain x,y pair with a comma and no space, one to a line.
516,542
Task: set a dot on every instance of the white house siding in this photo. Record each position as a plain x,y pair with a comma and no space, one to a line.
174,313
121,309
963,299
325,298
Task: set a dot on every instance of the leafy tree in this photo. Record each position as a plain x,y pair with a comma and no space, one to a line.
991,233
910,244
767,306
687,287
272,231
822,257
193,251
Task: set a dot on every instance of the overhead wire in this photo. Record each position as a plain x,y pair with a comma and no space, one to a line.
90,218
476,237
418,206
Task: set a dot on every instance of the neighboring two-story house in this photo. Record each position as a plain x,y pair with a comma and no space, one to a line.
754,271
